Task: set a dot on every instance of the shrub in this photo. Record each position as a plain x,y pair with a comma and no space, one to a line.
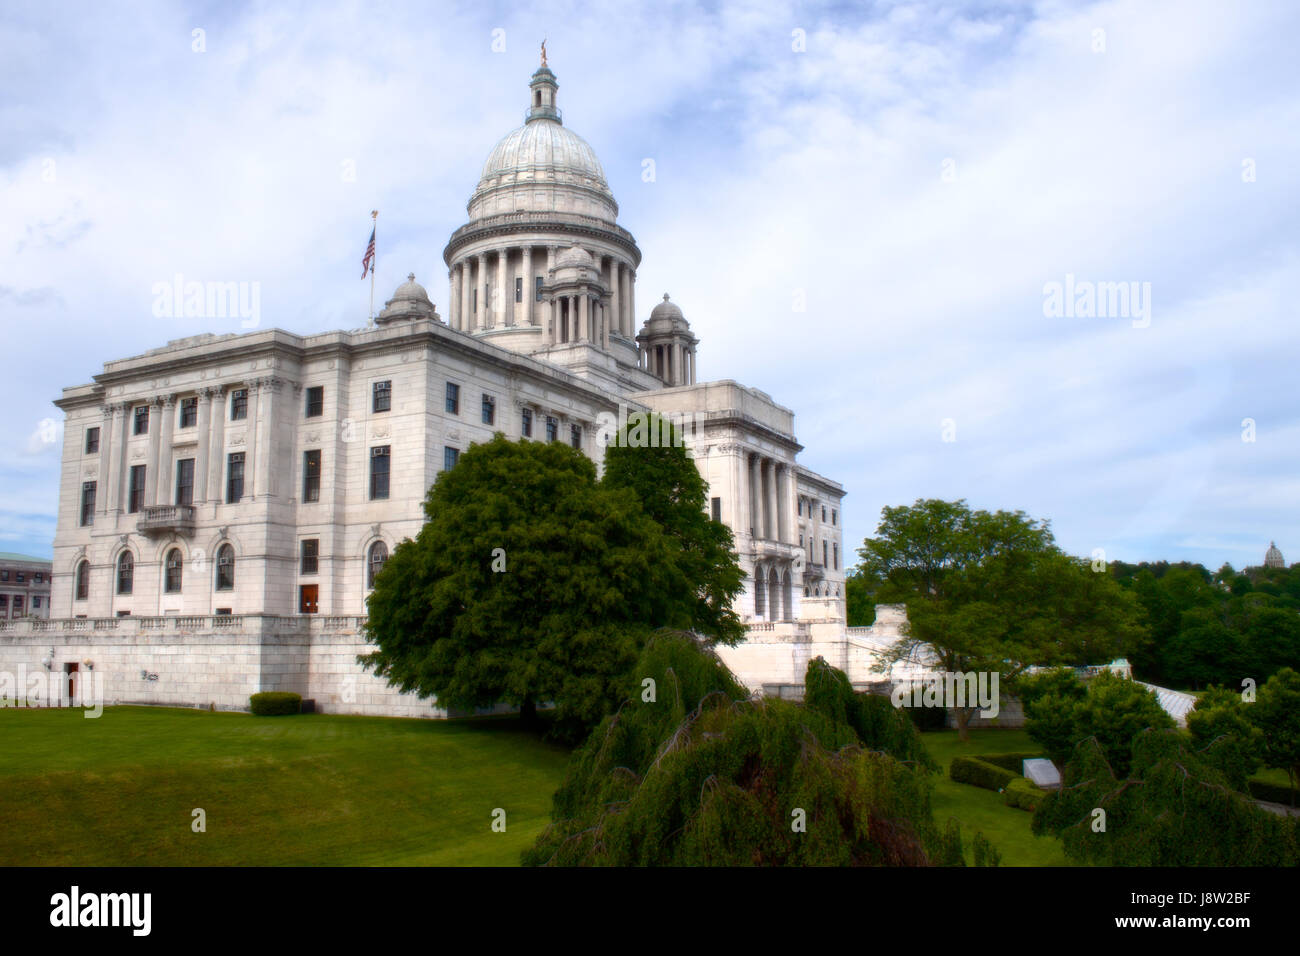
1014,762
1272,792
274,703
928,718
1023,794
980,773
984,852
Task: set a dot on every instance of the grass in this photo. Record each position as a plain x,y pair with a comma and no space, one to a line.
977,809
310,790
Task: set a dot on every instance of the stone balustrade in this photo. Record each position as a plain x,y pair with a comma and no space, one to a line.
174,623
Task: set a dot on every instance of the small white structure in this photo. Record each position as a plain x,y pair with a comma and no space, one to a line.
1042,772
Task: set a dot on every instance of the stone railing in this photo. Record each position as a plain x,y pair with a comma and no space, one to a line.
178,519
183,623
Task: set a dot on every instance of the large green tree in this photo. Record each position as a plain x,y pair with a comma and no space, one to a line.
528,583
1276,712
671,490
991,592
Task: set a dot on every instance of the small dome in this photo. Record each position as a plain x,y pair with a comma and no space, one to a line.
1273,557
575,256
666,310
409,301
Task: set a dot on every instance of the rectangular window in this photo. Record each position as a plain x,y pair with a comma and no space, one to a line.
310,555
824,554
4,602
519,289
526,423
834,516
20,577
135,489
800,507
575,436
823,513
38,578
717,509
141,426
379,464
4,575
185,481
36,603
453,398
88,503
552,428
238,404
835,549
381,399
489,410
449,457
537,289
316,401
234,477
92,440
311,475
473,300
18,605
189,412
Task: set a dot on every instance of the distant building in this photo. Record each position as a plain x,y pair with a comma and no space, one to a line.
1273,557
24,586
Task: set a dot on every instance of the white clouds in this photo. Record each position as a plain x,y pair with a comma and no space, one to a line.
777,171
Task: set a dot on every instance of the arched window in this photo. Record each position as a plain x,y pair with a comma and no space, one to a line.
125,573
225,568
174,565
83,580
375,561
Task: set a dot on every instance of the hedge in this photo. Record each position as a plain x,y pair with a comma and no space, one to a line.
1023,794
1273,792
980,773
1013,762
274,703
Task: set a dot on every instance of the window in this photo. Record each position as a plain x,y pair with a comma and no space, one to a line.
141,425
453,398
552,428
381,399
87,503
20,577
537,289
526,425
135,489
824,554
4,575
374,561
189,412
38,577
575,436
519,289
125,572
449,457
310,556
92,440
316,401
83,580
36,602
379,465
234,477
823,512
174,565
185,481
18,605
834,516
225,568
239,404
835,549
717,509
489,410
4,604
311,475
800,507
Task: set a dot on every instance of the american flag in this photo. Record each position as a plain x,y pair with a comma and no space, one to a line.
368,260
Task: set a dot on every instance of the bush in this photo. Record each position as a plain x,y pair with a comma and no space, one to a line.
1273,792
274,703
1023,794
1013,762
980,773
928,718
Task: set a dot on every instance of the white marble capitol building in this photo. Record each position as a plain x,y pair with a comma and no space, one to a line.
225,500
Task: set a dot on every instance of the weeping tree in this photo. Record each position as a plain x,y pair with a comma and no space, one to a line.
1173,808
692,771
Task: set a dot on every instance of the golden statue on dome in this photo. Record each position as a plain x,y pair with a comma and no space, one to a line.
543,53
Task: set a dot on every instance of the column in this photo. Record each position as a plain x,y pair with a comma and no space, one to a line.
466,291
252,459
584,317
117,459
631,299
201,459
771,509
481,292
453,290
755,498
217,444
102,486
783,499
530,284
553,316
615,299
266,407
505,301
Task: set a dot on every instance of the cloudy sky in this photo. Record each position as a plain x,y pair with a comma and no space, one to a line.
862,209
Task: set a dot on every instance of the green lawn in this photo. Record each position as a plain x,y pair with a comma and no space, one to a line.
314,790
978,809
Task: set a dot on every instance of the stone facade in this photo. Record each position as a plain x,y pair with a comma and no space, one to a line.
242,489
24,586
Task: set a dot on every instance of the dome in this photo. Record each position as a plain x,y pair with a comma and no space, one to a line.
575,256
1273,557
409,301
666,310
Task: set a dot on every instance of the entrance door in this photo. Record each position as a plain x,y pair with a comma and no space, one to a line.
307,598
71,671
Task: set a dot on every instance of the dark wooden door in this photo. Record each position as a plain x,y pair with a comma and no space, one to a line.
307,598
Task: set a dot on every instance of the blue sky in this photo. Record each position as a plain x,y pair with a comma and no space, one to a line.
916,174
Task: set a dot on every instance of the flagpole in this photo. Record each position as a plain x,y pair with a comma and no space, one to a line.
374,220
